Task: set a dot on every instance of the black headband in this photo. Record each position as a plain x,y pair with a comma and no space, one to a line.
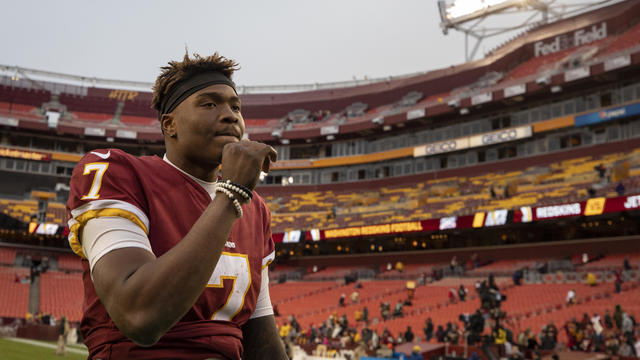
186,88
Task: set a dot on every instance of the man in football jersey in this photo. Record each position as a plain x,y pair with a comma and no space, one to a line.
175,259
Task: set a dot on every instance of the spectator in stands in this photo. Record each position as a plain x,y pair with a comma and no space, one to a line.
517,277
499,335
618,281
625,350
602,171
416,353
454,263
546,341
408,335
492,282
428,329
620,189
285,329
627,325
478,286
585,321
452,295
397,310
462,293
591,279
440,334
385,309
532,342
586,337
571,297
571,330
617,316
453,336
608,320
354,297
625,264
611,343
341,300
552,331
365,315
597,324
148,270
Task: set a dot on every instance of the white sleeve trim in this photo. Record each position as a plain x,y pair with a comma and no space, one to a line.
105,234
110,204
268,259
263,304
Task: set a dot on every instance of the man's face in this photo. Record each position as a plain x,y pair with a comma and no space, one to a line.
205,122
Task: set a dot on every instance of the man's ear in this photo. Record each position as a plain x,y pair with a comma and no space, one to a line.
168,125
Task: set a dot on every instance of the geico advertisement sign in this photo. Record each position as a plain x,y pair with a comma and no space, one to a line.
566,41
500,136
441,147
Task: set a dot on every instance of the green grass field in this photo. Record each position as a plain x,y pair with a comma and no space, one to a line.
12,350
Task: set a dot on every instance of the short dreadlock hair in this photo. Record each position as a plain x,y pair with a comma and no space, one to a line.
177,71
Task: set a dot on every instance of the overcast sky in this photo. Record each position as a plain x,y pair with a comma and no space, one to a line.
275,41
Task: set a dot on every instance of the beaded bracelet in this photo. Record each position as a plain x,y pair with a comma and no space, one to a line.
229,194
241,190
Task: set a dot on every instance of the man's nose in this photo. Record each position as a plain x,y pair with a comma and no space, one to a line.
229,116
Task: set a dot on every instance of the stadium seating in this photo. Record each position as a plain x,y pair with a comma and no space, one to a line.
566,180
626,40
7,256
14,297
56,213
612,262
69,262
61,294
19,209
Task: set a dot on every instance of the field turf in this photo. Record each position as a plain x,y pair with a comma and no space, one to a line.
45,350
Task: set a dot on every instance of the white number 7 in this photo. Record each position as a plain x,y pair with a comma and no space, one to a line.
100,168
235,267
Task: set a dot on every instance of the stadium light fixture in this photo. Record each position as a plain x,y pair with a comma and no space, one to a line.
456,12
469,16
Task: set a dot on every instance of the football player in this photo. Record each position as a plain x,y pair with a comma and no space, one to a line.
175,259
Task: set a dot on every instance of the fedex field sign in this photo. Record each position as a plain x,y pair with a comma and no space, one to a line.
566,41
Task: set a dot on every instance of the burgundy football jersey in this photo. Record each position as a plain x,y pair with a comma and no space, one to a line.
165,203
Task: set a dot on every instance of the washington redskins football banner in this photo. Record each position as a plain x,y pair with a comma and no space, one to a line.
590,207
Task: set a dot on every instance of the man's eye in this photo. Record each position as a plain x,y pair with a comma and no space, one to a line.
209,104
236,107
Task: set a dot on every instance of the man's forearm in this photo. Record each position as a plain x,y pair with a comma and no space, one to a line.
157,293
261,340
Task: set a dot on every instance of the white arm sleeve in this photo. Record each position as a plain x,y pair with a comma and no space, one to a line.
263,304
104,234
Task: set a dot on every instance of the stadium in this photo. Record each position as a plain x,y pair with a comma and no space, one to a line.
503,192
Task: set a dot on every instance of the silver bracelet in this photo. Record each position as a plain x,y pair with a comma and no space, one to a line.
229,194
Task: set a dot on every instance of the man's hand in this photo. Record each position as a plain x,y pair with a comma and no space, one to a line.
242,161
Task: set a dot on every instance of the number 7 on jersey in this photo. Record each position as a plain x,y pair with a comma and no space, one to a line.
100,168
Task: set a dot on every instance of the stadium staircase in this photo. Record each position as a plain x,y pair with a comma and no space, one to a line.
34,295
